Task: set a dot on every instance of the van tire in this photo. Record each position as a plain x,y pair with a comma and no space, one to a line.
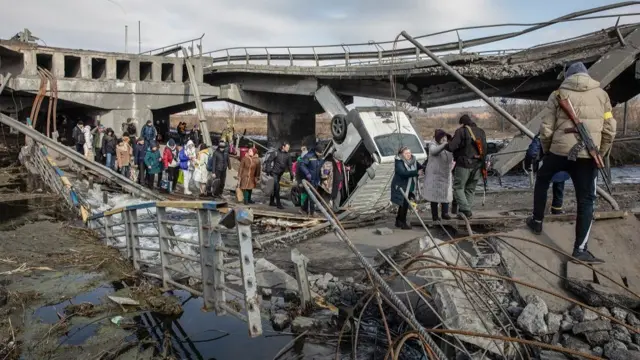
339,128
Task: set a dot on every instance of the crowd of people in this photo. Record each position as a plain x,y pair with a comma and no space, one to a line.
456,163
454,166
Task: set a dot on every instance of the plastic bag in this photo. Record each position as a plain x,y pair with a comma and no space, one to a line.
239,194
180,177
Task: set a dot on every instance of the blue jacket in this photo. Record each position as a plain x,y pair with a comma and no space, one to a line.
148,133
311,165
400,181
139,151
184,160
534,155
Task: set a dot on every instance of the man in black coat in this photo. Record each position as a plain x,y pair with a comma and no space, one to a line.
218,164
276,165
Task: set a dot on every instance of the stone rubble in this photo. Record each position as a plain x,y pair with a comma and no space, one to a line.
579,329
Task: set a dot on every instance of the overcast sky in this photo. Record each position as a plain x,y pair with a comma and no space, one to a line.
99,24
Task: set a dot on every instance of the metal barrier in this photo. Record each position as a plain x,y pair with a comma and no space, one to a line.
374,52
122,228
36,159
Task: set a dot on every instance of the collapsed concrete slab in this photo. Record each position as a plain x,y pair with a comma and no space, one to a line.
595,290
460,309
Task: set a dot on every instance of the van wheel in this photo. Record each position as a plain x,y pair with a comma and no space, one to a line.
339,128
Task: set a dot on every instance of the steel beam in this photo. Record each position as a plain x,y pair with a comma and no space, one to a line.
605,70
244,219
202,118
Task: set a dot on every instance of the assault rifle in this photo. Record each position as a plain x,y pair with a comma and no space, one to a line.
583,134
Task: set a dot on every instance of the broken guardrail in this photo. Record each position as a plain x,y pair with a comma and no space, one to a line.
122,228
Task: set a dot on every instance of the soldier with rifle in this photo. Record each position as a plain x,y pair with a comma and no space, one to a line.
577,130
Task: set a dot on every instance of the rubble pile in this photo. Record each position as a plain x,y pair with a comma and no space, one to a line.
580,329
286,310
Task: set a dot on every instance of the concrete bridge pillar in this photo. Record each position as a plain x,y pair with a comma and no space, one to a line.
299,129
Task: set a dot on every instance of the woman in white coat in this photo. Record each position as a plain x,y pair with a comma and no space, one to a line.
437,180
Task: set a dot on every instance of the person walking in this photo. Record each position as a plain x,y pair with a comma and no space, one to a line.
170,161
249,174
123,156
139,152
276,165
187,158
109,149
404,182
98,135
532,163
149,133
78,136
153,163
437,181
88,143
218,165
564,150
200,173
311,167
469,148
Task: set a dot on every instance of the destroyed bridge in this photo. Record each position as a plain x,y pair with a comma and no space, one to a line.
506,295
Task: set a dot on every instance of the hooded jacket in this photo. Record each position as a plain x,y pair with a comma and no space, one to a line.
109,144
123,154
310,167
593,108
148,133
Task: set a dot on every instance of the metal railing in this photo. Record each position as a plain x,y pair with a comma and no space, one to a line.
125,227
191,45
35,157
375,52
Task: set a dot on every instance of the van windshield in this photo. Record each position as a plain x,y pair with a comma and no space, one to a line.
389,144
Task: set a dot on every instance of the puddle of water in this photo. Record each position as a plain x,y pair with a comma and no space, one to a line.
194,335
204,335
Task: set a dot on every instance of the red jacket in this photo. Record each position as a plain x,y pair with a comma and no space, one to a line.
167,157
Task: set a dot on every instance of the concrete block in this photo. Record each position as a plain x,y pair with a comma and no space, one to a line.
579,272
384,231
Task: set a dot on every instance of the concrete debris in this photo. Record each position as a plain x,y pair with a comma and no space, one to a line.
621,333
266,292
553,322
384,231
4,296
612,346
302,324
619,313
632,319
123,300
573,343
577,313
598,338
280,321
291,296
597,295
597,351
566,326
590,315
552,355
633,347
532,318
487,260
591,326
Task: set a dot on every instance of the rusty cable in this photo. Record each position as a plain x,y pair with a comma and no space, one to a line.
54,87
458,268
400,343
371,272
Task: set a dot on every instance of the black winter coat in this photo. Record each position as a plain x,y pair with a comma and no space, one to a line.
109,145
219,162
278,163
138,152
464,150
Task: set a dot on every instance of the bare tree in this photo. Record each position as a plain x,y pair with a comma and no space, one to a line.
522,110
402,106
233,111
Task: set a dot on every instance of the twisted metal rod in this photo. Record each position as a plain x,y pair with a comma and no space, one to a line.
377,279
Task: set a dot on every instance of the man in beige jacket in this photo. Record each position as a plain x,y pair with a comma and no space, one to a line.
564,151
